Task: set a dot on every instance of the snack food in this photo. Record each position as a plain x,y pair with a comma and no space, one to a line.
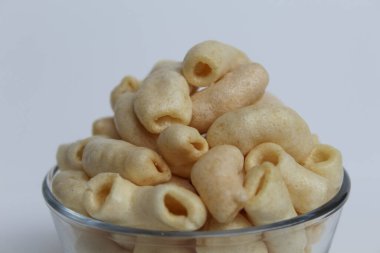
224,196
208,61
241,87
181,146
106,127
111,198
140,165
299,180
163,99
175,157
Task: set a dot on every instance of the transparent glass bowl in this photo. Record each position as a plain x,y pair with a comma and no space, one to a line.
308,233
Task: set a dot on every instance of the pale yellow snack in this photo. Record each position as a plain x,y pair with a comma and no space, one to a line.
129,84
241,87
172,65
97,243
113,199
218,178
270,202
315,139
268,99
183,182
140,165
269,199
326,161
69,156
247,127
129,126
162,100
307,189
105,127
181,146
208,61
236,244
68,187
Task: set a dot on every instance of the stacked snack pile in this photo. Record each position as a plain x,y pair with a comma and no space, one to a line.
199,145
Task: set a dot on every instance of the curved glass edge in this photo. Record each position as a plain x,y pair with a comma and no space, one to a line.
320,213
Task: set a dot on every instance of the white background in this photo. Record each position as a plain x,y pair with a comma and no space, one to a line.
60,59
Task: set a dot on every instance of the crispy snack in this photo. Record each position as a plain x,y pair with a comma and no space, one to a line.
315,139
113,199
171,65
218,178
268,99
241,87
247,127
182,182
181,146
163,99
326,161
207,62
140,165
129,84
68,187
270,202
307,189
129,126
241,244
105,127
69,156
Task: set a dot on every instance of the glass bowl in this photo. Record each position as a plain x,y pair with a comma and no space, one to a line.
308,233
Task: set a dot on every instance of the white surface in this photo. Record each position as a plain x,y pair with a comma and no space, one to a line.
59,61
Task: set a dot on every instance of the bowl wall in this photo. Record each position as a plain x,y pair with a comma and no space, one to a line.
309,233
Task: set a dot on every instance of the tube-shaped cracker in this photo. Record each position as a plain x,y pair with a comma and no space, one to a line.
68,187
307,189
140,165
241,87
69,156
270,202
247,127
236,244
113,199
128,125
171,65
269,199
326,161
315,139
129,84
105,127
182,182
268,99
181,146
208,61
162,100
218,178
97,243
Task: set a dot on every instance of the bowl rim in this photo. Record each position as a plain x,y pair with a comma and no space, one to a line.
320,213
